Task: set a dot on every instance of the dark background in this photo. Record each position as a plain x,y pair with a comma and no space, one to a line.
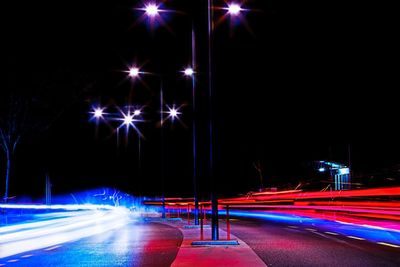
303,82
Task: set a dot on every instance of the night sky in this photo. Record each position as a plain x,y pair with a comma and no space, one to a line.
302,82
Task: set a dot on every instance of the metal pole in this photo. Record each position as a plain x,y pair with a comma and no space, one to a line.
162,148
204,215
350,172
214,199
139,155
201,224
196,199
228,225
48,190
188,213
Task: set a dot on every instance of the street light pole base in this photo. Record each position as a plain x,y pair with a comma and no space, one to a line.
215,243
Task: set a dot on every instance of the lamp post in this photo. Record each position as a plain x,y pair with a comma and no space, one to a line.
233,10
162,148
134,72
214,199
189,72
152,11
172,115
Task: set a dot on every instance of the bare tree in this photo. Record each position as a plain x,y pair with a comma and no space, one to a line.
257,166
34,107
12,126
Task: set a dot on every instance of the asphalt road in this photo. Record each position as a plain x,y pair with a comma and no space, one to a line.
135,244
280,244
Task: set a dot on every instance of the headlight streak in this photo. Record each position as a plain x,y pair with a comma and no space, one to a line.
56,226
25,237
50,220
57,207
371,214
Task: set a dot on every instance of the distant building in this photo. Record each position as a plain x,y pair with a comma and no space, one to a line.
339,174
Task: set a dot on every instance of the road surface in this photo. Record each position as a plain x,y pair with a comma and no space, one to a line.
289,244
135,244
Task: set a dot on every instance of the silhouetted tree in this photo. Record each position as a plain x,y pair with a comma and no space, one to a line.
257,166
12,126
33,106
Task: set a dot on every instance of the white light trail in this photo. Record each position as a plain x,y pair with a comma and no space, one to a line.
26,237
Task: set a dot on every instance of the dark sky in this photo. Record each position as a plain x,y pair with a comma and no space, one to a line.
301,83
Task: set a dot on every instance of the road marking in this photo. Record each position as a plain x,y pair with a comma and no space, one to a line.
27,256
310,229
331,233
2,264
355,237
320,234
15,260
388,244
291,226
51,248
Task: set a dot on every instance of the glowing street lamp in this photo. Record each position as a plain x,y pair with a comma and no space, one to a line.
128,120
188,72
98,113
234,9
173,113
151,10
133,72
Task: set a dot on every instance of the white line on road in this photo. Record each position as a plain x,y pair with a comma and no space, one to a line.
355,237
311,229
51,248
388,244
331,233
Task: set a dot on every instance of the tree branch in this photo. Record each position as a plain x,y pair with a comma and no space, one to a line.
16,143
3,138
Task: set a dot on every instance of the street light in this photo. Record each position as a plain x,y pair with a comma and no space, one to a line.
233,9
214,199
151,10
98,113
173,113
133,72
128,120
189,72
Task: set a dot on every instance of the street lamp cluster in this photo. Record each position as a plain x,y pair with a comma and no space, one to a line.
129,118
